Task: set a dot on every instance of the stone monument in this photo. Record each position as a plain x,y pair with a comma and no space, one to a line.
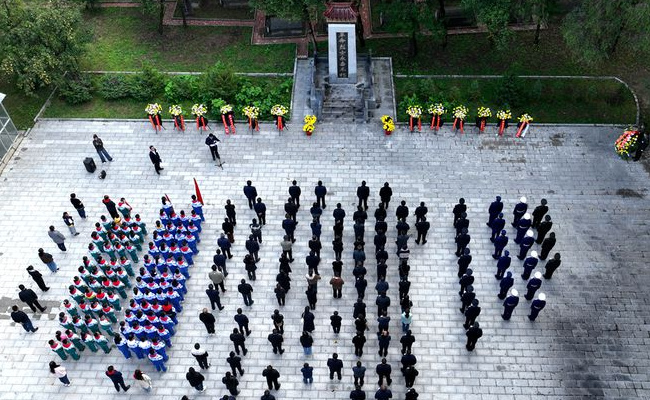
342,49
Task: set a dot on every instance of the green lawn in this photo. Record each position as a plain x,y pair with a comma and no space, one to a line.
212,9
22,108
547,100
124,38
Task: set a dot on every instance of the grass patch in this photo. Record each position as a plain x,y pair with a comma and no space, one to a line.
129,108
211,9
22,108
547,100
124,37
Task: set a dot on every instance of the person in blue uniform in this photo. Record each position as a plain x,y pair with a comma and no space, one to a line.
495,209
509,304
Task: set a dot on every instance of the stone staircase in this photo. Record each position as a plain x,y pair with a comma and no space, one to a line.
343,103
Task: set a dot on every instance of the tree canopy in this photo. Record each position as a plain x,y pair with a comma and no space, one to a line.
495,15
39,44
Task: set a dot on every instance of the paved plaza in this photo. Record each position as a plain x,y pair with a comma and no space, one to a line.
590,340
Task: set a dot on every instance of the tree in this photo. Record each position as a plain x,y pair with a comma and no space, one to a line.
596,29
495,15
150,7
415,18
536,11
40,44
306,11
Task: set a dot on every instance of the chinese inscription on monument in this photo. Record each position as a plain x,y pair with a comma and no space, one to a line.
342,54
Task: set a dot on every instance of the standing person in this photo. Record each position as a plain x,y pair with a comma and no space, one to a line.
363,192
495,209
406,319
422,227
536,306
505,285
231,383
529,265
503,264
459,209
519,210
473,334
286,246
260,210
19,317
276,339
201,356
358,341
552,265
497,226
242,321
500,243
111,207
231,213
294,192
547,246
278,321
117,379
320,191
57,237
411,394
29,297
99,147
420,212
268,396
253,248
359,373
463,263
155,159
357,394
69,222
289,226
526,244
410,373
335,365
238,340
246,291
385,193
307,373
48,260
543,229
78,205
143,380
224,244
195,379
60,372
213,295
471,313
306,341
407,342
235,363
533,285
251,194
208,320
308,320
538,213
38,278
466,280
383,371
337,286
384,342
217,277
509,304
272,375
462,241
211,141
335,321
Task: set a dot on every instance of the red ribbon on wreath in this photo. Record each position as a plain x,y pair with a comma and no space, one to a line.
179,123
232,122
252,124
156,121
225,126
458,122
435,121
522,126
201,123
280,126
502,127
411,123
482,125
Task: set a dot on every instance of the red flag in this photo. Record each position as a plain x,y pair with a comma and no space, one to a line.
198,192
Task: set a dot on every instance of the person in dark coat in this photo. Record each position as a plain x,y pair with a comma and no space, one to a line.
29,297
505,285
335,321
461,223
267,395
383,371
547,246
420,212
359,308
312,296
467,298
384,342
519,210
533,285
363,192
361,284
538,213
338,214
195,379
473,334
407,341
500,242
213,295
294,192
459,209
276,339
543,228
260,210
422,227
523,226
536,306
357,394
466,280
495,209
503,264
38,278
385,193
231,213
526,244
117,379
289,226
253,248
358,341
529,265
308,320
404,287
335,365
211,141
155,160
411,394
462,241
291,209
19,317
472,313
497,226
235,363
78,205
111,207
382,302
201,356
231,383
238,340
251,194
402,211
272,375
246,291
320,191
463,262
380,213
359,373
208,320
509,304
242,321
410,373
552,265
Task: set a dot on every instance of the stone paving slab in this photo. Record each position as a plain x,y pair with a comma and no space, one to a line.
590,341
